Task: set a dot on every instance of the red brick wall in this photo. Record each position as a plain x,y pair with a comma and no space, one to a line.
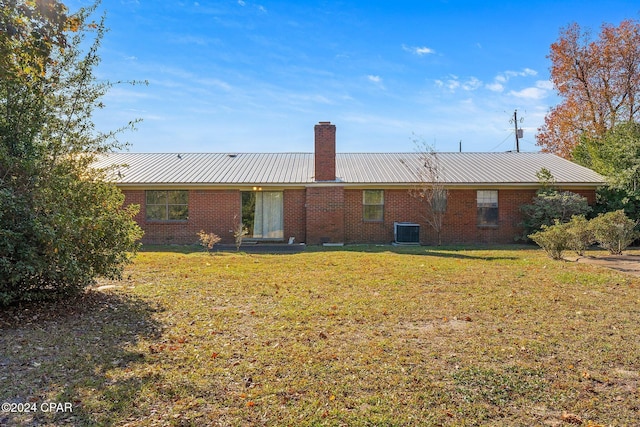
398,206
333,214
459,224
211,211
215,211
325,212
295,218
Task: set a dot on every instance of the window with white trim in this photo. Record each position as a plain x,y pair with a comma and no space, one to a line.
373,205
487,207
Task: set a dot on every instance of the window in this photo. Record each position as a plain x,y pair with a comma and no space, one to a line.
487,207
373,203
439,201
167,205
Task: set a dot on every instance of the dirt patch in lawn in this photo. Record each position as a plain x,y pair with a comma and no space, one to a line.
626,263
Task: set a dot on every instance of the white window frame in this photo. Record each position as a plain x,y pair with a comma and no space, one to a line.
487,203
372,212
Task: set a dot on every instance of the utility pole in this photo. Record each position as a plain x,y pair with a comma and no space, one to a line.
519,133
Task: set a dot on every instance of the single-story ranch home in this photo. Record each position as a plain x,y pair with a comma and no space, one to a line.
329,197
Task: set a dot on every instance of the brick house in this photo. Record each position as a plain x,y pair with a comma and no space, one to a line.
329,197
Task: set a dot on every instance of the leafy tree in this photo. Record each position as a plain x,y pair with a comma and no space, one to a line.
599,81
616,155
609,199
61,223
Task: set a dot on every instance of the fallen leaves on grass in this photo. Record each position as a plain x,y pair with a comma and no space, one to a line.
339,338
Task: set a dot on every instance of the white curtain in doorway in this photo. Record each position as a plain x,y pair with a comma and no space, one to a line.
268,221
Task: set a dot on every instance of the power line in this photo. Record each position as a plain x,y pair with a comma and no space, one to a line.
503,141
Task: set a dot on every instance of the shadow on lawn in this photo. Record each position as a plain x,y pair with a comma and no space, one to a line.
470,252
455,254
284,249
64,353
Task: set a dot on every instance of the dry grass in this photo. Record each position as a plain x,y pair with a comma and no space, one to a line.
359,336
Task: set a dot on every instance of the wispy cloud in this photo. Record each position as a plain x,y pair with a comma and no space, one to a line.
471,83
507,75
260,7
495,87
193,40
453,83
501,79
420,51
377,81
539,91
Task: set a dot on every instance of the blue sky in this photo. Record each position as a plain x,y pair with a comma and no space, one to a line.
256,76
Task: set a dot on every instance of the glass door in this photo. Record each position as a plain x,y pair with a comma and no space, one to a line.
262,214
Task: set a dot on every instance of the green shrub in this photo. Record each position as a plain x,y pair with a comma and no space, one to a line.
553,239
614,231
62,222
551,205
580,234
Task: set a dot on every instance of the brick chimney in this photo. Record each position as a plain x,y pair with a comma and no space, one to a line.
325,151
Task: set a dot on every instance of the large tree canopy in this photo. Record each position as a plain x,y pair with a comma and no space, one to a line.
599,81
616,155
61,223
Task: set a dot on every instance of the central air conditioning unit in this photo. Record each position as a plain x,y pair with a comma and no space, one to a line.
406,233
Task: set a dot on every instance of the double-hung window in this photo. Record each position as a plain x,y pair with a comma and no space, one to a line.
373,205
487,207
167,205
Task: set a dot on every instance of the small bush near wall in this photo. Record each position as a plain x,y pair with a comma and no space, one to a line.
208,240
553,239
613,231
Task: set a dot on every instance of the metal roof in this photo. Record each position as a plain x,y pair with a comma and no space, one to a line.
351,168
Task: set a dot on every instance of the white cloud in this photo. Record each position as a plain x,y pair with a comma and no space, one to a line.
374,79
214,83
495,87
454,82
507,75
242,3
423,50
529,93
471,84
503,78
419,50
539,91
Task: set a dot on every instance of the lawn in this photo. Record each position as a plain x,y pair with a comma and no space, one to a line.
356,336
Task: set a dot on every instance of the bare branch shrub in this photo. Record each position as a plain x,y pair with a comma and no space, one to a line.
208,240
430,188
